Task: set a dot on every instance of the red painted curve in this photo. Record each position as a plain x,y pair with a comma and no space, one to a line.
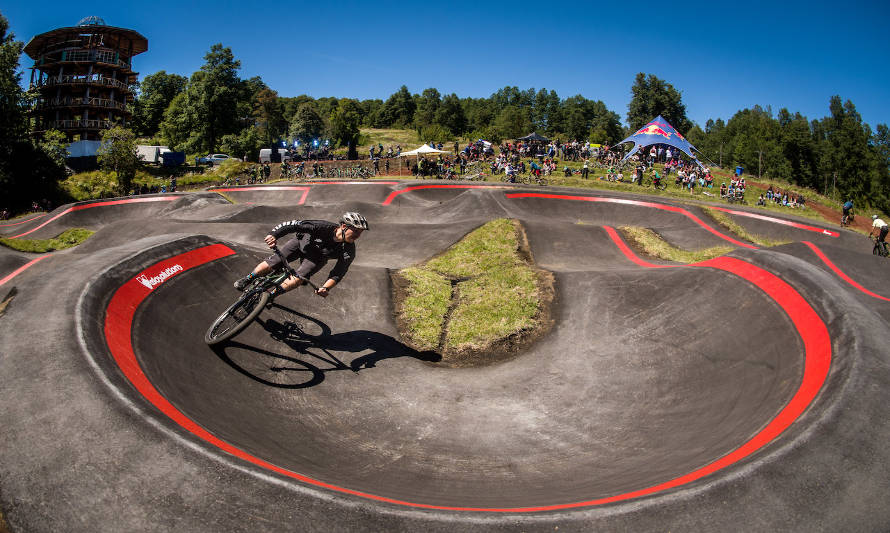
22,221
774,220
375,182
841,273
21,269
817,347
393,194
637,203
99,204
301,201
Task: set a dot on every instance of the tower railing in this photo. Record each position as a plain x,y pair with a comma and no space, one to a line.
75,79
69,101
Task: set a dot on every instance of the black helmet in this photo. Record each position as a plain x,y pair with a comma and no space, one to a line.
355,220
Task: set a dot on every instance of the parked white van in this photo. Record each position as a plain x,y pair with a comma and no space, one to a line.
266,155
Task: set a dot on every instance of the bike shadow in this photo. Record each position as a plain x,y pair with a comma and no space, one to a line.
319,351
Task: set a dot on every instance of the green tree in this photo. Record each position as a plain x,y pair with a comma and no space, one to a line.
881,143
548,114
13,121
479,113
155,94
27,173
307,124
345,121
845,159
398,111
212,105
181,125
218,92
513,122
371,110
450,115
427,105
117,153
246,143
798,148
268,114
55,145
650,97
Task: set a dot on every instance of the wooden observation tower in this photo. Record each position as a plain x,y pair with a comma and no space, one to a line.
83,75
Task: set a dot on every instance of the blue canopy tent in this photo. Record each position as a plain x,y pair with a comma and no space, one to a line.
658,131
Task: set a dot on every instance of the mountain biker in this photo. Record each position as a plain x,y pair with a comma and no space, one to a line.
656,178
848,209
316,242
881,226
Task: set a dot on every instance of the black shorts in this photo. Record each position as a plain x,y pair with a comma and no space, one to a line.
883,233
293,250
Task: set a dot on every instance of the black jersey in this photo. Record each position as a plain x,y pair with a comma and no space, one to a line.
316,238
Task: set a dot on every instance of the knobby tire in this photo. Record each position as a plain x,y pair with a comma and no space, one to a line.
237,317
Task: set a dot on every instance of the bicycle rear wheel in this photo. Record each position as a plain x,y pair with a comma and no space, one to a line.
237,317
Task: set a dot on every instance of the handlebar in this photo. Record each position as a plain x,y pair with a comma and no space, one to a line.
290,270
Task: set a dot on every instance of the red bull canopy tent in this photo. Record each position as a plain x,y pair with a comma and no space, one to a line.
658,131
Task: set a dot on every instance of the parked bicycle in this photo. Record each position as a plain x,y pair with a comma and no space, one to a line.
253,300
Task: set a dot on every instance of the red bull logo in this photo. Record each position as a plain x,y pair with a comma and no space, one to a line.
654,129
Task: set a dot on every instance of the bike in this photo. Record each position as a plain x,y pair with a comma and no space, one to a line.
846,219
880,248
253,300
660,184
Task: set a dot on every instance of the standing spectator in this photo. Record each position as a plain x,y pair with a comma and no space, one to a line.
586,169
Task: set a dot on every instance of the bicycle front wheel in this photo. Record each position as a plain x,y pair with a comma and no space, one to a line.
237,317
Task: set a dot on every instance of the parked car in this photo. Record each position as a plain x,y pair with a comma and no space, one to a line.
214,159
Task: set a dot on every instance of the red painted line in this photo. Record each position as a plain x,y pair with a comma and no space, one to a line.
22,221
21,269
282,188
393,194
355,182
637,203
778,221
100,204
301,201
840,273
628,252
817,350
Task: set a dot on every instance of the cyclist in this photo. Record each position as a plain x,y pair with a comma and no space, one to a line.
316,242
848,210
881,226
656,178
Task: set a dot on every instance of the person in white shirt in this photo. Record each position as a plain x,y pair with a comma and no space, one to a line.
881,226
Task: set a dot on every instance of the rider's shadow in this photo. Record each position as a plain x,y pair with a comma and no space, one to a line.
317,350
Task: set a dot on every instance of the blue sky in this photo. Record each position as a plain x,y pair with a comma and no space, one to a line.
722,58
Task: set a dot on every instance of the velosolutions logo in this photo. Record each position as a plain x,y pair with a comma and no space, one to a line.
161,277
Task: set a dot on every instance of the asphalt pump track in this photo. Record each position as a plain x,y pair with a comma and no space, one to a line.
744,393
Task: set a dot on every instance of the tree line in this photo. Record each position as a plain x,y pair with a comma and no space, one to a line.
214,109
837,155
